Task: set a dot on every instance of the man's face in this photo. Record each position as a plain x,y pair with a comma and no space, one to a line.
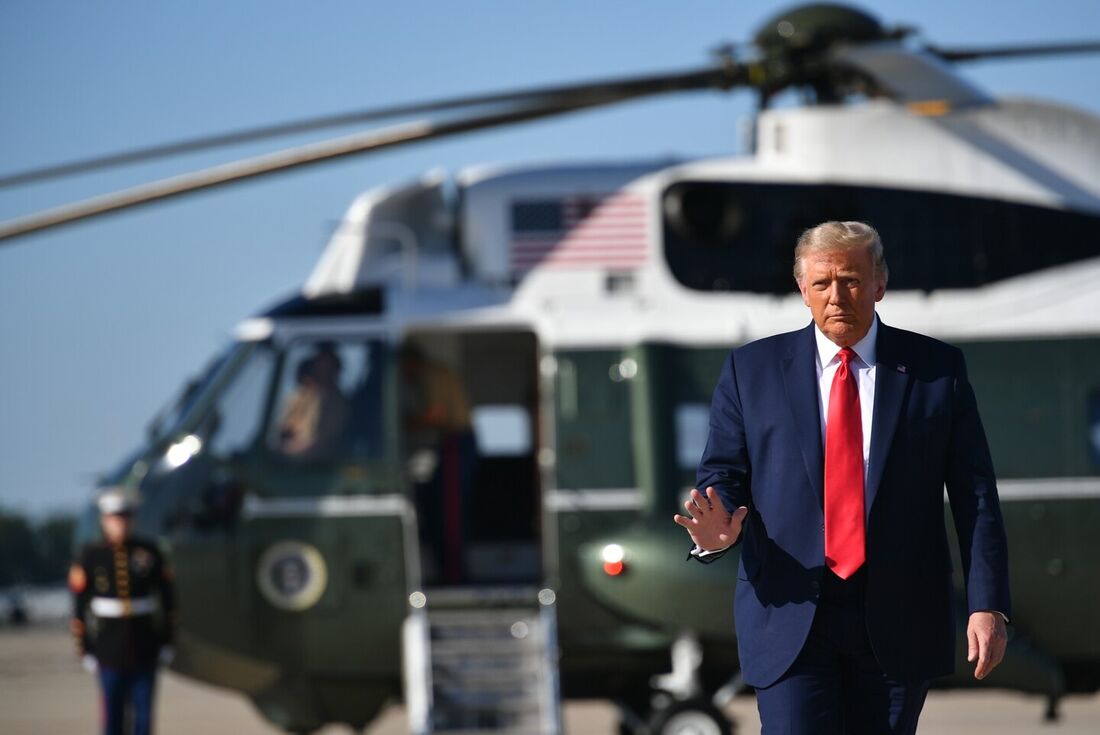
326,369
116,527
841,289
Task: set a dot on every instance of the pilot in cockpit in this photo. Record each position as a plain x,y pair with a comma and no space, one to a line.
315,414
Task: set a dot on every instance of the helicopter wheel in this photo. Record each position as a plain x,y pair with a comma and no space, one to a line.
690,717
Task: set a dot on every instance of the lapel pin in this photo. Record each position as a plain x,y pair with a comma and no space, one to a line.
902,369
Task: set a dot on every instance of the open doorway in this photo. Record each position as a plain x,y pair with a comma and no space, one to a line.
470,401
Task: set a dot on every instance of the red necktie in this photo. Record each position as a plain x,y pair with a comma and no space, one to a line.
844,532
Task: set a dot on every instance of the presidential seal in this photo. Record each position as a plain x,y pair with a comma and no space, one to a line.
292,575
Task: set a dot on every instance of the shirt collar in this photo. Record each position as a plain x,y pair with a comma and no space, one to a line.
864,349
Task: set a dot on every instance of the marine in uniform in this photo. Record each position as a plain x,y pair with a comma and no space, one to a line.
437,418
123,616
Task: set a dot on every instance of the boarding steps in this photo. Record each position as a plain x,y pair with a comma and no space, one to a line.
482,660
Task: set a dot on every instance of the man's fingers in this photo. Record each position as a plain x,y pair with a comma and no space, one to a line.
999,652
995,658
986,642
992,652
686,522
738,516
983,659
994,643
713,499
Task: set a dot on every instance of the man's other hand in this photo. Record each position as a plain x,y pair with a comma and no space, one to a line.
708,523
986,640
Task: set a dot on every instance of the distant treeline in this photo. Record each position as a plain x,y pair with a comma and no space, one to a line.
34,552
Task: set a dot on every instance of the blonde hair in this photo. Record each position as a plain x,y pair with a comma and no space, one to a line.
834,235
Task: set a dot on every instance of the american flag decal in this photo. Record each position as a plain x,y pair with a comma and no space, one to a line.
581,231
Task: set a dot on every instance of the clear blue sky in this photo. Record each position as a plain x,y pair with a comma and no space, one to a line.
101,322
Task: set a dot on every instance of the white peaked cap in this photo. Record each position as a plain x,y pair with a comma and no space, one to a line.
114,500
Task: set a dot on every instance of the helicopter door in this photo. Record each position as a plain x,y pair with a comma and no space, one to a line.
470,407
324,534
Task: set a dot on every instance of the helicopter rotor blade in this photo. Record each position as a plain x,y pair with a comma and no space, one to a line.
912,77
1003,52
304,125
723,77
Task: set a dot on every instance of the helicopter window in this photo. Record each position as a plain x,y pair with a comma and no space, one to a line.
537,216
173,414
231,425
1094,428
329,401
502,429
721,236
593,422
692,427
1053,432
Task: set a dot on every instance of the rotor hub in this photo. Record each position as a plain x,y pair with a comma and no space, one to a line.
816,27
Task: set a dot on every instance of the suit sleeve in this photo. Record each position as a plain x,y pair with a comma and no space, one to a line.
725,464
972,492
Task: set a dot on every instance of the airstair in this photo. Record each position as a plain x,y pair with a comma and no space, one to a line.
482,660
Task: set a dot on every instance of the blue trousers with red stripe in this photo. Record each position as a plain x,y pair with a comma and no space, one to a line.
123,691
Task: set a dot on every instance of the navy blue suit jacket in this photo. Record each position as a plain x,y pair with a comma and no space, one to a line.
765,451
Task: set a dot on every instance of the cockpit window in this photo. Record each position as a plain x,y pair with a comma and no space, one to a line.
329,401
174,413
233,422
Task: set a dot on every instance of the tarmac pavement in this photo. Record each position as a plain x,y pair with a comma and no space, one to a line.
44,690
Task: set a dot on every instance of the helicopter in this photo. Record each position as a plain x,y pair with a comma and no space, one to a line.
585,311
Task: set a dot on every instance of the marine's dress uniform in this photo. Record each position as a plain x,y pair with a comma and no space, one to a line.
441,410
124,610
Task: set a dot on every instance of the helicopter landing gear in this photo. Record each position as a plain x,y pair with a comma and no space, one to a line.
683,681
697,716
678,705
1051,715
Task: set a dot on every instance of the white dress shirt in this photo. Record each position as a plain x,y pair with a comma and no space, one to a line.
828,362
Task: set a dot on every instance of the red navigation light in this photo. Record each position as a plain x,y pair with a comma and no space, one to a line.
613,568
613,556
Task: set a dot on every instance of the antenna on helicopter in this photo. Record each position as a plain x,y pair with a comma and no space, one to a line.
832,50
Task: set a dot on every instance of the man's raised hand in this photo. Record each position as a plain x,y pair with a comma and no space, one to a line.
709,524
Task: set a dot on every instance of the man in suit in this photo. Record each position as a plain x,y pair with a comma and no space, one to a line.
828,453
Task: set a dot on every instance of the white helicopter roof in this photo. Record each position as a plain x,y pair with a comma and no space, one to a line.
400,238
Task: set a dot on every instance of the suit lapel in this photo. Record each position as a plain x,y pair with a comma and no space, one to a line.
891,382
800,378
